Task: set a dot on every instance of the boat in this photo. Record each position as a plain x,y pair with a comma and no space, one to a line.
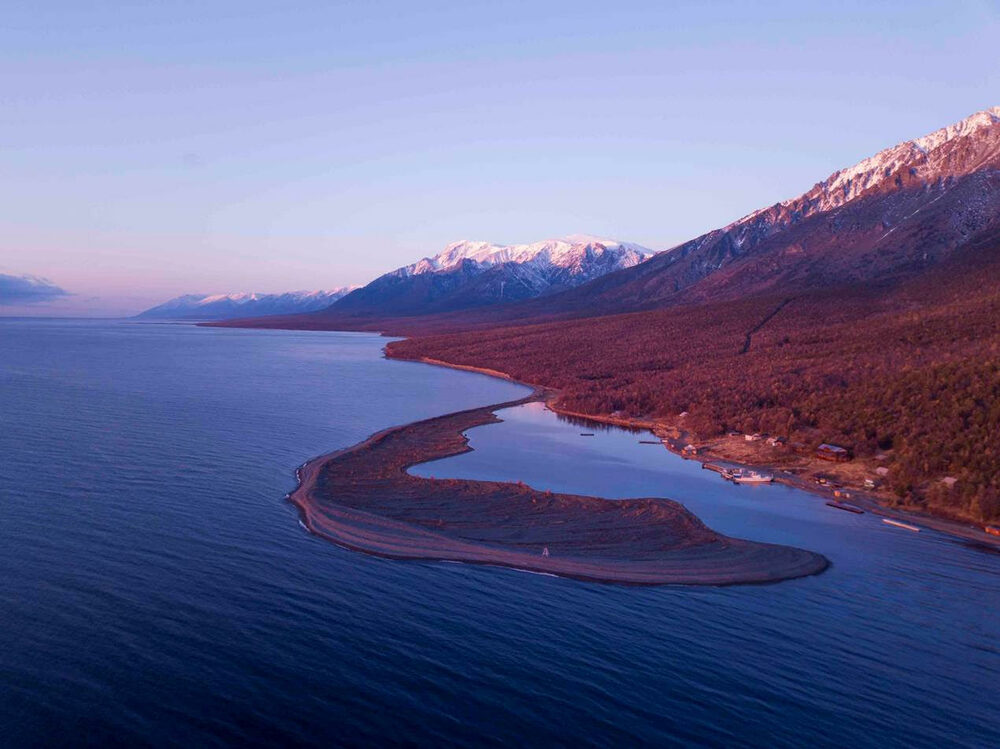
845,506
751,477
898,524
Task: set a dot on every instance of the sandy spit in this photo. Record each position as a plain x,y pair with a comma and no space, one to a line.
362,498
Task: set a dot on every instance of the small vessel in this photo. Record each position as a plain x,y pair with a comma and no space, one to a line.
845,506
898,524
751,477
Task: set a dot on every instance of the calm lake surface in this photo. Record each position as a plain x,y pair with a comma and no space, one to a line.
155,587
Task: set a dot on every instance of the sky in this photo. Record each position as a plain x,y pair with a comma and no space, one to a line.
151,149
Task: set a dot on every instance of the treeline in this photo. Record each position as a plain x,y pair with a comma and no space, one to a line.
911,371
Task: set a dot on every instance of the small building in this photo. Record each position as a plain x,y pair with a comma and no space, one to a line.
949,481
776,441
836,453
689,450
993,530
870,484
752,437
882,471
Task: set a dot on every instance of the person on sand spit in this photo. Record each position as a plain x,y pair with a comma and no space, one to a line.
545,551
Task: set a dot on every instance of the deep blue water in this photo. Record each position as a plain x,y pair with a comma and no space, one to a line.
156,589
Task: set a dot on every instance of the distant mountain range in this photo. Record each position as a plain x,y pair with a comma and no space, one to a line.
890,217
228,306
471,274
465,275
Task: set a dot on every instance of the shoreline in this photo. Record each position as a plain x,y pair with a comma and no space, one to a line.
959,529
364,499
868,501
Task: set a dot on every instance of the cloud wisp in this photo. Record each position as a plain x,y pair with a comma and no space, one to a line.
15,290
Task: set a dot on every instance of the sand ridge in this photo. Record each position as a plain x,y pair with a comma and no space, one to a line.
363,498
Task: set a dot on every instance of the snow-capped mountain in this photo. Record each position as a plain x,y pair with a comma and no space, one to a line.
228,306
567,252
922,158
890,216
473,274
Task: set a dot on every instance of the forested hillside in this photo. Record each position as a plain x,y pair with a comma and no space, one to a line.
910,370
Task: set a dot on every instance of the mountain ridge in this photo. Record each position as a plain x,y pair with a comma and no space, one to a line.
242,304
471,274
906,207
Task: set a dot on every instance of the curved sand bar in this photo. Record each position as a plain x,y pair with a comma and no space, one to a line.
362,498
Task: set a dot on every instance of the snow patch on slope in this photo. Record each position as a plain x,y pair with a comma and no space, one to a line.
847,184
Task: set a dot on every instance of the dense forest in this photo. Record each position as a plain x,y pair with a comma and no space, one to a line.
910,370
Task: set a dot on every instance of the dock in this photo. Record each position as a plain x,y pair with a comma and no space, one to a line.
846,507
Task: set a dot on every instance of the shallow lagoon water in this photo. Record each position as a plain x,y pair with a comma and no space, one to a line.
156,588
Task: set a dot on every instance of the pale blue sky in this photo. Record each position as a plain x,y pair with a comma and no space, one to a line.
157,148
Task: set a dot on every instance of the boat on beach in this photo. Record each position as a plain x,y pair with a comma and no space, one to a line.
741,476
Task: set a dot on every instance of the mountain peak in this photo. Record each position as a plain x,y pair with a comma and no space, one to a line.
929,157
968,126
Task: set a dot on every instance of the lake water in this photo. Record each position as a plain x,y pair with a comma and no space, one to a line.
155,588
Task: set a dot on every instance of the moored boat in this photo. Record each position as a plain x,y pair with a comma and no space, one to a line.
751,477
899,524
